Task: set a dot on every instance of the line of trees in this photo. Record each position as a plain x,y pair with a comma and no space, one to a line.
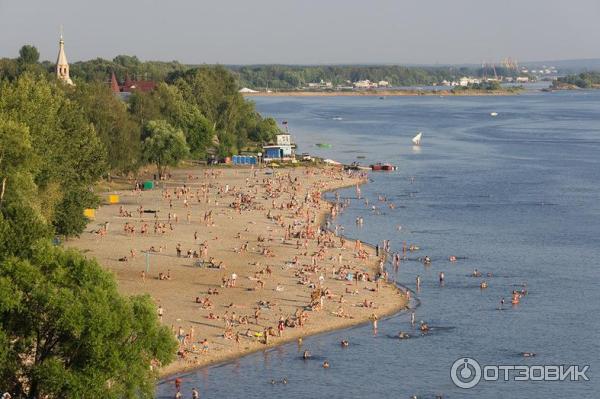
584,80
65,331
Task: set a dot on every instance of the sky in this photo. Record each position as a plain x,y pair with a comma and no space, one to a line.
305,31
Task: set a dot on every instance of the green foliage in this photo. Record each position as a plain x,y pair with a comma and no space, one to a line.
265,131
20,227
59,150
28,54
99,70
167,102
118,131
69,219
16,155
67,333
584,80
164,146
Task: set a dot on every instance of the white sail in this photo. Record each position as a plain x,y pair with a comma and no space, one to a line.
417,139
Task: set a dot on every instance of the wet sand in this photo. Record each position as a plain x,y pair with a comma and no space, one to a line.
224,233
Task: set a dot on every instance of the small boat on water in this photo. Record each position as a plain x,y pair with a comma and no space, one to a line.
382,167
323,145
417,139
493,114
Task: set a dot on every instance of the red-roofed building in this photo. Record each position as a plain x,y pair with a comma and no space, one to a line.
141,85
129,86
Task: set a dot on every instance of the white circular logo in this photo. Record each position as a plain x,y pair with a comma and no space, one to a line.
465,372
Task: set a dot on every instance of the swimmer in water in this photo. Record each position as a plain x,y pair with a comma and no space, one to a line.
418,282
442,278
345,343
306,355
325,364
412,318
424,327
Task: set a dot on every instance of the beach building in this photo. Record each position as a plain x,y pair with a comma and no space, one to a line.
62,65
283,150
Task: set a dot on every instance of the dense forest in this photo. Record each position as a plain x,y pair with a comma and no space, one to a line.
65,331
584,80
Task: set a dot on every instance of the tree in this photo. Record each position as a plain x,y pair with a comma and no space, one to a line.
114,126
165,145
16,153
28,54
70,156
66,332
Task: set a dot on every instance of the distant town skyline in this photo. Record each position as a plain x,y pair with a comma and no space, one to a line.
307,32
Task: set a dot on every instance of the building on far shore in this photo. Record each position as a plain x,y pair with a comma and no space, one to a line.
62,65
465,81
364,84
247,90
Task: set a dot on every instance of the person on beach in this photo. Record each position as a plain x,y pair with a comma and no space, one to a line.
374,319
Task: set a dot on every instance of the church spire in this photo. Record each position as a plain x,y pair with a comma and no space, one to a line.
62,65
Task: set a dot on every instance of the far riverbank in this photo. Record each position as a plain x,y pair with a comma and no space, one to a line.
385,93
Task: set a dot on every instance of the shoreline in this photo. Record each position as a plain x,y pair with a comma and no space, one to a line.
323,216
389,299
385,93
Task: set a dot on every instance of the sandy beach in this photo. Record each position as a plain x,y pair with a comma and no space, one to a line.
232,254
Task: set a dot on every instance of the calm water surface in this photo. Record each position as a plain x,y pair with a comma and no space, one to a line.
517,195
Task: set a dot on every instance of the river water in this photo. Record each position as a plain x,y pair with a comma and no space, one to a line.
516,195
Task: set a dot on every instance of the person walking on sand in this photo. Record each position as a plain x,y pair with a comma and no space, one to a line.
160,312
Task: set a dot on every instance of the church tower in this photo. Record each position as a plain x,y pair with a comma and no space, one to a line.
62,66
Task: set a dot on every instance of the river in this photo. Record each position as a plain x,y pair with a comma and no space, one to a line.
516,195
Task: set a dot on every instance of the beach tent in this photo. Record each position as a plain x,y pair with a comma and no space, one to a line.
148,185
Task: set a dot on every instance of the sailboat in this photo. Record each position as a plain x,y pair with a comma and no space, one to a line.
417,139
